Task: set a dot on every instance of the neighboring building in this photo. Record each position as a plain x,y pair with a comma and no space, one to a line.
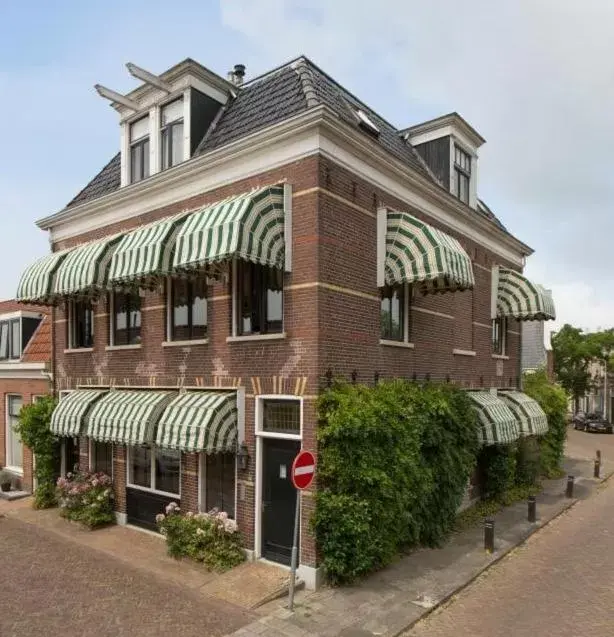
25,355
533,349
192,338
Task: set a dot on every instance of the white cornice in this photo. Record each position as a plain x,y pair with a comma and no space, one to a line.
452,120
314,131
19,370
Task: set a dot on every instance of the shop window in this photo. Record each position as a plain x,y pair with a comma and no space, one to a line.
259,299
126,318
80,324
499,336
155,469
281,416
220,483
102,457
188,311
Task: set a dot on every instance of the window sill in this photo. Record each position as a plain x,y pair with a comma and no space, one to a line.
176,496
463,352
404,344
17,471
77,350
500,357
196,341
256,337
111,348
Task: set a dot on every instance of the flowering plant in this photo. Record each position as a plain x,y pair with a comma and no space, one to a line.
211,538
87,498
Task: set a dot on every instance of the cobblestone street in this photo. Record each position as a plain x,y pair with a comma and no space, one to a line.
52,586
559,583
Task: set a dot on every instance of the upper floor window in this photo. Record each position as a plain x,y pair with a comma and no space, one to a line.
10,339
499,335
171,134
462,173
394,305
139,149
125,318
188,311
259,299
80,324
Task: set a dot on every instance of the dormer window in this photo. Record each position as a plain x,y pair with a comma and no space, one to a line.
366,122
139,149
171,134
462,173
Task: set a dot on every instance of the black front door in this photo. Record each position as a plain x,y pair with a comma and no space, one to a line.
71,446
278,499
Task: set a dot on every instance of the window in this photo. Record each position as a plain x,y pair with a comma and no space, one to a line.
462,172
281,417
139,150
10,339
4,340
171,134
392,313
14,448
188,312
15,338
102,457
80,324
260,299
366,122
220,483
126,318
155,469
499,335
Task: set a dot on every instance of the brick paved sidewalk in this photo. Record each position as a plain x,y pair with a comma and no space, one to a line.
392,600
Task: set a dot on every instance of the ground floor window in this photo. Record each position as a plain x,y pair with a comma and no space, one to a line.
14,448
154,469
102,457
499,335
220,483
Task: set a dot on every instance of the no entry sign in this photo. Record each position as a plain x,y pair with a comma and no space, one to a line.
303,469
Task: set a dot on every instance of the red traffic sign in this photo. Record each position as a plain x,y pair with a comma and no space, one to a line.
303,469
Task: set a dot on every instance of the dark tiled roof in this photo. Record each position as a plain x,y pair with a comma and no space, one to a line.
489,214
106,181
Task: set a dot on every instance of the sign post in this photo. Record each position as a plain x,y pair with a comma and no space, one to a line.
303,472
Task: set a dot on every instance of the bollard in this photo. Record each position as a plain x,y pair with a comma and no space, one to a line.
598,454
569,492
489,535
532,508
596,468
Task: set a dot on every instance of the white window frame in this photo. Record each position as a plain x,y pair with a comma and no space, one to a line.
131,485
202,483
135,142
504,330
8,436
169,319
61,394
111,304
91,454
408,294
260,437
160,127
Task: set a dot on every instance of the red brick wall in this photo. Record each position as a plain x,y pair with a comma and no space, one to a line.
27,389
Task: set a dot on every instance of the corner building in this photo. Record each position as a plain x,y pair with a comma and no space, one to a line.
249,240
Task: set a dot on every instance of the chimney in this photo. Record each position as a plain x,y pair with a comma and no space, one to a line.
237,74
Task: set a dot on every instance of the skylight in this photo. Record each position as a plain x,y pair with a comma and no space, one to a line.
366,122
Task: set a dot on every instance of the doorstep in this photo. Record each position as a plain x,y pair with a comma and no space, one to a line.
14,495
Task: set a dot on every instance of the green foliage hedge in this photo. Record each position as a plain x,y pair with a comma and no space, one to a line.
394,461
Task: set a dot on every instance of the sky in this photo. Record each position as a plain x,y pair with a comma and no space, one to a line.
534,77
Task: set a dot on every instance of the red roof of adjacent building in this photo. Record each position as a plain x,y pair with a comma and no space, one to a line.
38,350
13,306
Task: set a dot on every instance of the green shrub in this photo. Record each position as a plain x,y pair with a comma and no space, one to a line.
527,462
86,498
211,538
553,400
394,460
497,470
33,429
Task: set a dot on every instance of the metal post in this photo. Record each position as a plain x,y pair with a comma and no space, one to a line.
598,454
489,535
596,468
293,561
569,492
532,506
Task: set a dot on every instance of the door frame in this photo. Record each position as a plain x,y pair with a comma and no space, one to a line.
260,437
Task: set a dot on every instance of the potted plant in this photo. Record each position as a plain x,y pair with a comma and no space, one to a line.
5,480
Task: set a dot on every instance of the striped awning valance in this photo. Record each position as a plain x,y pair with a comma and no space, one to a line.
497,423
36,283
145,253
199,421
521,299
85,269
249,227
420,254
70,413
127,416
532,420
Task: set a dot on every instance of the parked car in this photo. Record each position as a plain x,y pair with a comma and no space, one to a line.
594,422
578,418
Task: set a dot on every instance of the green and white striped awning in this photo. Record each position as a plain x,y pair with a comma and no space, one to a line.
497,423
85,269
248,227
127,416
145,253
199,421
532,420
69,416
36,283
521,299
420,254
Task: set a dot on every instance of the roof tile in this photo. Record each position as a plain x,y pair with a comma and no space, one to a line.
38,350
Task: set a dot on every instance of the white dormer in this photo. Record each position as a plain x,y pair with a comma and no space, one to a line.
163,120
449,146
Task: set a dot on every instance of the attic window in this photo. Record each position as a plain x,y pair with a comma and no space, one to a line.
366,122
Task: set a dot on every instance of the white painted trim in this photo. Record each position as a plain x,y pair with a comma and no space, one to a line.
78,350
288,227
234,302
130,485
279,436
488,327
432,312
240,415
196,341
112,348
187,123
501,357
9,433
388,343
155,156
20,366
382,222
463,352
494,288
256,337
124,145
21,314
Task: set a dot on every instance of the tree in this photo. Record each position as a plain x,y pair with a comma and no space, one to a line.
573,352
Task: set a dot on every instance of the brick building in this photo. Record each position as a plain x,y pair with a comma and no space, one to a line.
25,356
248,239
